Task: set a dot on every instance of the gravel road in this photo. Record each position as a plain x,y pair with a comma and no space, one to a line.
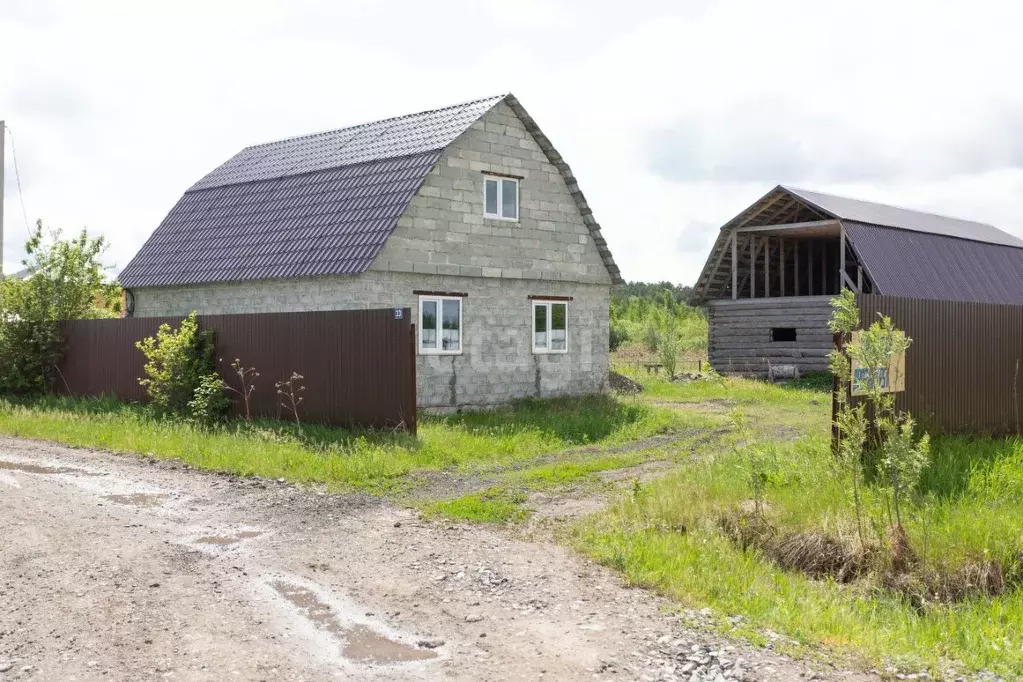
125,568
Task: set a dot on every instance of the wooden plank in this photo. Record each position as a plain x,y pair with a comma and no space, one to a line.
841,255
791,226
735,266
752,268
781,266
795,270
809,269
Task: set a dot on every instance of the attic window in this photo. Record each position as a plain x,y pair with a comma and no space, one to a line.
500,197
780,334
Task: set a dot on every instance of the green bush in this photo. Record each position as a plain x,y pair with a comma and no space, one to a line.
210,403
66,281
177,362
619,335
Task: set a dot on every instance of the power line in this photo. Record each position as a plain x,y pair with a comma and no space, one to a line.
17,178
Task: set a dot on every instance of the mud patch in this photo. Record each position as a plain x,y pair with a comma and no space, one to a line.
359,643
139,499
24,467
715,405
229,539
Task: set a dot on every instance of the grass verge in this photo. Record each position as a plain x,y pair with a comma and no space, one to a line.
366,460
669,535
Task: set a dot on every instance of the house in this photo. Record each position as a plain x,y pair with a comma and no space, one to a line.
467,215
775,266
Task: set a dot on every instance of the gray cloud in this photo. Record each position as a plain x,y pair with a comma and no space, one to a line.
769,141
695,237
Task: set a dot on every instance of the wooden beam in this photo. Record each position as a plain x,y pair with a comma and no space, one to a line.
824,269
767,267
791,226
752,267
841,255
847,281
735,266
809,268
859,278
713,273
795,270
781,266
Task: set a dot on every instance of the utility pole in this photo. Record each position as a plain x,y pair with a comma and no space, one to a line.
3,138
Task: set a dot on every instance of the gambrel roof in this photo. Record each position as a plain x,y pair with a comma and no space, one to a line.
320,204
903,252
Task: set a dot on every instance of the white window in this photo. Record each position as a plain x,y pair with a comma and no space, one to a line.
500,197
550,327
440,325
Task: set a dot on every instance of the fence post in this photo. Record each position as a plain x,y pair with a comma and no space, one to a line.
836,433
414,422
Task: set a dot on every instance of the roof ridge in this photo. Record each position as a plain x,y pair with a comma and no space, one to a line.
790,188
378,121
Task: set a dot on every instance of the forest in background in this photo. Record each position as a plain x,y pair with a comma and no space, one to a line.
656,321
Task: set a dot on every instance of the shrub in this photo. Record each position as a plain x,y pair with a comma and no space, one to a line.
209,404
619,335
177,362
66,281
670,349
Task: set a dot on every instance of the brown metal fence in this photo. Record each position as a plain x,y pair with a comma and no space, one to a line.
358,365
963,369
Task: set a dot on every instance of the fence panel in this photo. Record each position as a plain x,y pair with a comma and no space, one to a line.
963,369
358,365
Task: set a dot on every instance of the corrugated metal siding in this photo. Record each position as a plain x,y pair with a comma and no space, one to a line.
964,369
332,222
904,263
359,365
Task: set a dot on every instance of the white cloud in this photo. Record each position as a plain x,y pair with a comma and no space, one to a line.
674,116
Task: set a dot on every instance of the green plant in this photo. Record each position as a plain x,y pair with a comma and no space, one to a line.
754,461
176,362
670,349
209,404
619,334
652,337
66,281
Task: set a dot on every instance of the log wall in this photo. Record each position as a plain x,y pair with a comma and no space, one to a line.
740,336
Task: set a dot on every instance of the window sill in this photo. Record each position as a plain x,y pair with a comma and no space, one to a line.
438,352
541,351
487,216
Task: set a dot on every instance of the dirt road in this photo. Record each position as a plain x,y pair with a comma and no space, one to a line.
124,568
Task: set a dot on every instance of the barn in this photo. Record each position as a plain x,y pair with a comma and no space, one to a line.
775,266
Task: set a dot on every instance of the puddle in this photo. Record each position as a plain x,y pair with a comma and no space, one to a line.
229,539
139,499
26,467
360,643
37,468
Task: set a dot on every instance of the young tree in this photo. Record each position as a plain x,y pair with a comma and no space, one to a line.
66,280
903,456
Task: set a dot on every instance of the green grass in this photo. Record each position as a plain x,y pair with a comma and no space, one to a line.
373,461
666,536
493,505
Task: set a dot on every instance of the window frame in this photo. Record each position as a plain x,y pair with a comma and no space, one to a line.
500,180
547,304
439,350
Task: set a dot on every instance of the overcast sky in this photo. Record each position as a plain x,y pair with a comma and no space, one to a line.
674,115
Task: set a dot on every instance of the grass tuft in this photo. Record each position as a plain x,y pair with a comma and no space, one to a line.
493,505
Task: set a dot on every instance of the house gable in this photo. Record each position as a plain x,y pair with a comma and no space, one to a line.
444,231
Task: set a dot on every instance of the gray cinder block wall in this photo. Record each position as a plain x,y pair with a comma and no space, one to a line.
443,243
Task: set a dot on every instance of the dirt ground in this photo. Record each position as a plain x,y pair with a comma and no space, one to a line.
125,568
